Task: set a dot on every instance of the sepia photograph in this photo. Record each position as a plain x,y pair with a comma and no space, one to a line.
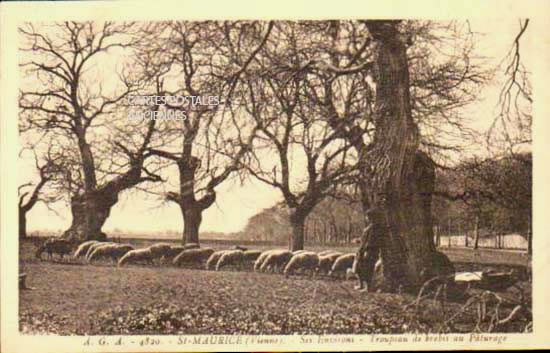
346,181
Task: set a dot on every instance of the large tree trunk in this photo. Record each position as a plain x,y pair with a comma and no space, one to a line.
22,224
91,209
297,222
90,212
191,208
192,218
400,180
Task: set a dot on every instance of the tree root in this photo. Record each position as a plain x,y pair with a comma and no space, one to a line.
486,306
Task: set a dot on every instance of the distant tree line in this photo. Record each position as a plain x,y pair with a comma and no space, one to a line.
475,198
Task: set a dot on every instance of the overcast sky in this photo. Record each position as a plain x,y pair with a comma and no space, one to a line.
235,203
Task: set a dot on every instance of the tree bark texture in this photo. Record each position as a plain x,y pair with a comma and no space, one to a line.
399,179
91,209
297,222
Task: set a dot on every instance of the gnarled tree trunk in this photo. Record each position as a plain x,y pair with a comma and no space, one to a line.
91,209
22,224
90,212
399,179
297,222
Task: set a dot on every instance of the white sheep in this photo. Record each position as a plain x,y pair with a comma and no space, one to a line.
326,261
277,259
112,251
193,256
213,259
260,260
83,248
342,263
174,251
159,250
230,257
304,261
263,256
95,246
135,256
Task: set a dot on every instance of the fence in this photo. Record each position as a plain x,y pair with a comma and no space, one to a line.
494,241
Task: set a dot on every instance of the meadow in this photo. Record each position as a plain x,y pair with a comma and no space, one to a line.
72,297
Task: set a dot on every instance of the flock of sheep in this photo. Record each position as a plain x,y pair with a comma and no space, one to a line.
328,262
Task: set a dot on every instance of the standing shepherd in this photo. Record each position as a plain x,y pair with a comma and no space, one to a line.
364,265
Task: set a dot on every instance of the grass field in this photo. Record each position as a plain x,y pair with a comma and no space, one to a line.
76,298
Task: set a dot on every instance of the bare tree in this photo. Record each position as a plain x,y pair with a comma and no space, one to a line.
67,100
358,77
338,219
514,122
396,179
292,128
333,68
444,76
49,170
399,178
511,128
503,183
207,146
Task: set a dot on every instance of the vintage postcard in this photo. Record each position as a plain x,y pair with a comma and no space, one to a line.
298,176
